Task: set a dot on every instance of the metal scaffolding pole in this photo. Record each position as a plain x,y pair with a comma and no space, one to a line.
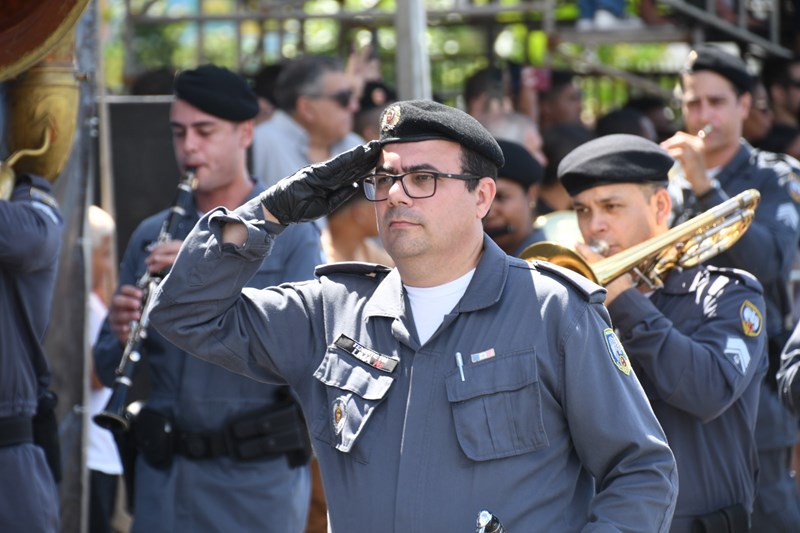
412,62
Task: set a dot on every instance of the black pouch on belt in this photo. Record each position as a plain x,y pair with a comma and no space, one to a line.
732,519
45,431
154,433
277,429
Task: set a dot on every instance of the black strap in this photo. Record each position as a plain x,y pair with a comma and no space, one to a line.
15,430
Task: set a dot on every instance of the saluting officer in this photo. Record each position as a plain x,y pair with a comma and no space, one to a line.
464,379
30,240
719,164
698,344
211,450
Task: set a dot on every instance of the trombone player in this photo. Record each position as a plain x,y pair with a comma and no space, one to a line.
697,344
716,92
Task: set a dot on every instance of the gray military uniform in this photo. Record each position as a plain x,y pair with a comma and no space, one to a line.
698,346
547,409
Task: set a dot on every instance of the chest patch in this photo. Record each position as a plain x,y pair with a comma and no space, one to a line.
617,352
339,413
384,363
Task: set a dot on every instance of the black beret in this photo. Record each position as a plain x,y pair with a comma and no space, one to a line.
619,158
217,91
520,166
729,66
424,120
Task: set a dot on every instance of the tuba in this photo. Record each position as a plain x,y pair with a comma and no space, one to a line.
36,56
692,242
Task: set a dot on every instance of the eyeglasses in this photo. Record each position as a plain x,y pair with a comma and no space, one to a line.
421,183
342,98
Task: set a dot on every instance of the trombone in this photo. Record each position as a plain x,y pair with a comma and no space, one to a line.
692,242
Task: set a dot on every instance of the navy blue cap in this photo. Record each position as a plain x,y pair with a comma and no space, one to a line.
611,159
714,59
520,166
217,91
424,120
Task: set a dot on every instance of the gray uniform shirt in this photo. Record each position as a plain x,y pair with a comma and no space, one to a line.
548,408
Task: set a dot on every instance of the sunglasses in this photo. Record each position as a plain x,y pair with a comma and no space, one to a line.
342,98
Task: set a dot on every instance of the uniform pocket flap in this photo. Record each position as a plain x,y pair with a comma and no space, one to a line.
345,372
499,374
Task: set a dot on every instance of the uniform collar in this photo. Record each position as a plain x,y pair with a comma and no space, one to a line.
735,165
484,290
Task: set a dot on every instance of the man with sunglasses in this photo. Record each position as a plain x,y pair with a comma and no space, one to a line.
314,121
464,379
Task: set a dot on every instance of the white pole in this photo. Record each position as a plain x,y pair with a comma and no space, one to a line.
411,62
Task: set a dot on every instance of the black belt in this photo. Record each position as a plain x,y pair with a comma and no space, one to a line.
202,445
15,430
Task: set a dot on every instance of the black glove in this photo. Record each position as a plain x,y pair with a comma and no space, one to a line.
314,191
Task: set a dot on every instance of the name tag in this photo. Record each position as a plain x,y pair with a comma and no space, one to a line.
384,363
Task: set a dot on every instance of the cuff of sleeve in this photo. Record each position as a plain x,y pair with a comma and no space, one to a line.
630,308
714,196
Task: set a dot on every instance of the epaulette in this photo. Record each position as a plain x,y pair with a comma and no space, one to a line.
787,169
351,267
593,292
745,277
38,195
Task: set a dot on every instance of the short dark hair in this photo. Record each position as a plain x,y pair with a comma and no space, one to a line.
302,77
775,71
486,80
474,163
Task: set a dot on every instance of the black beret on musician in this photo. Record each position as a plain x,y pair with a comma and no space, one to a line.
620,158
217,91
424,120
729,66
520,166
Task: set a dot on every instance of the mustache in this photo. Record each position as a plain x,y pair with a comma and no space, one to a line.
401,213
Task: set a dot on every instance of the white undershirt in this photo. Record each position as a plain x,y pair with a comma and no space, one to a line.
430,304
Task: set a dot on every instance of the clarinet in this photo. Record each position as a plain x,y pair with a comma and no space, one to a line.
113,416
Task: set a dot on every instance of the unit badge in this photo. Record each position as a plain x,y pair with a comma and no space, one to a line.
751,319
339,415
390,118
617,352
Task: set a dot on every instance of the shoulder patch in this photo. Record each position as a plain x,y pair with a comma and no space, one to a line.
617,352
591,291
351,267
751,319
787,168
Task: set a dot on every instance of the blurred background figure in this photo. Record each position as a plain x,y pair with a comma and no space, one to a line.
314,120
102,458
510,219
376,96
350,233
659,113
263,83
559,140
519,128
626,120
756,127
486,93
561,103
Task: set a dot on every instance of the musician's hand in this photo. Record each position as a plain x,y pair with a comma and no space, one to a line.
689,151
125,307
162,256
614,288
316,190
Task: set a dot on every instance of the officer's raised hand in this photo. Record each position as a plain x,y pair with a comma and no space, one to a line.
316,190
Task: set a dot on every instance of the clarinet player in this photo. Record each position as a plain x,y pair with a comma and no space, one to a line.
202,463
